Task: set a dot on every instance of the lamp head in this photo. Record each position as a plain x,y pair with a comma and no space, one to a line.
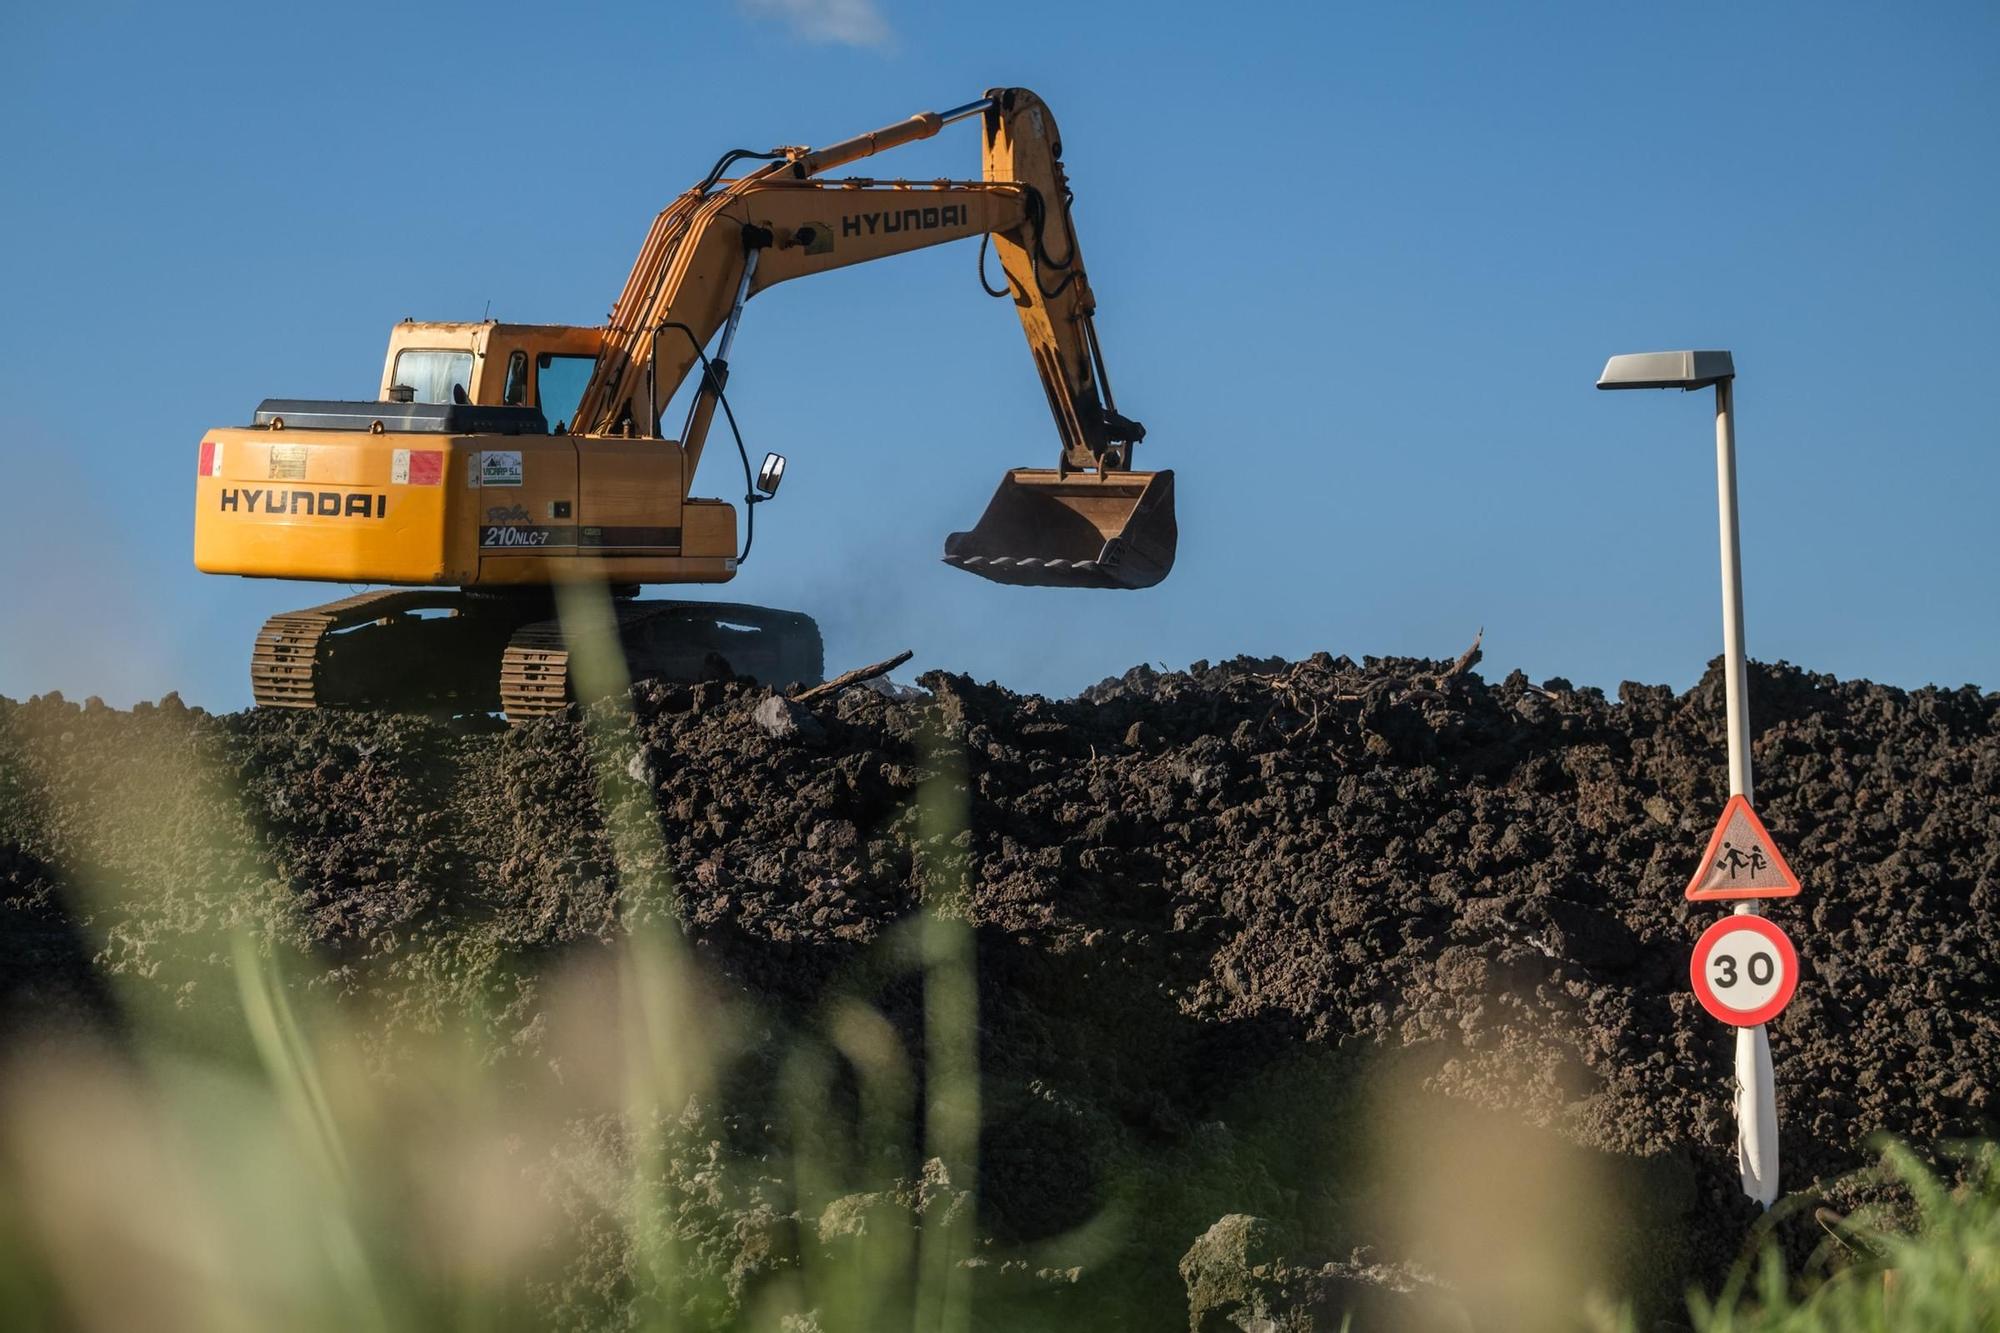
1666,370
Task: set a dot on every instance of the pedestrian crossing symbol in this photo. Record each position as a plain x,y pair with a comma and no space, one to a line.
1741,860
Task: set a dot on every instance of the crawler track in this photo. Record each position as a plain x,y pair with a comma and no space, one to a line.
442,650
665,640
375,650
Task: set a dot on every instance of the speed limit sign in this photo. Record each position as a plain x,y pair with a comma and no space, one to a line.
1744,970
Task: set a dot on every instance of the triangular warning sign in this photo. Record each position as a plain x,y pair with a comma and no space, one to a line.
1741,860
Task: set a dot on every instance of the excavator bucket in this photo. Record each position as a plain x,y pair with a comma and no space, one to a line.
1086,530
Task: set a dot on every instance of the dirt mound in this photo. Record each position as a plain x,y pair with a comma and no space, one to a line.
1251,939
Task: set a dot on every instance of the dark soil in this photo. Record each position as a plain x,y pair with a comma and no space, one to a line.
1254,942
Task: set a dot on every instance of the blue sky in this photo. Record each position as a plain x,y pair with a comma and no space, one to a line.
1358,267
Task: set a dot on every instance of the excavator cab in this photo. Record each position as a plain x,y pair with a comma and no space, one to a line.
1047,529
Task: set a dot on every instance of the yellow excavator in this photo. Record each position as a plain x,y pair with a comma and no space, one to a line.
501,460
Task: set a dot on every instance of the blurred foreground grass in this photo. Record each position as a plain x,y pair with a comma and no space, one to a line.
679,1159
276,1163
1942,1274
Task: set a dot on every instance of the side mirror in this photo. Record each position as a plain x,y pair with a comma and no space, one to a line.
771,474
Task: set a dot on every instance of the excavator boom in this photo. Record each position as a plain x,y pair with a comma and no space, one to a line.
1090,521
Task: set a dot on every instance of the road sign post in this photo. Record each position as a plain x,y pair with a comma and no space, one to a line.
1756,1098
1756,1093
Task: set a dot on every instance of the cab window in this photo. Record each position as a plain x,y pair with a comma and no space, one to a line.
433,374
516,392
559,383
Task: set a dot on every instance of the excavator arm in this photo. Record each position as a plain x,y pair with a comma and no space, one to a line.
1090,521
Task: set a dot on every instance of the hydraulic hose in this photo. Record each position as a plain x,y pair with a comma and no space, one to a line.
750,497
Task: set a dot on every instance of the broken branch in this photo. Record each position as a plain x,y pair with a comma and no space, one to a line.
1466,659
854,677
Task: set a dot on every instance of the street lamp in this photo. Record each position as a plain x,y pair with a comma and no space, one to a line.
1756,1098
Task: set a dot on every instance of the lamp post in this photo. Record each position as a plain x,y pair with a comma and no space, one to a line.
1756,1098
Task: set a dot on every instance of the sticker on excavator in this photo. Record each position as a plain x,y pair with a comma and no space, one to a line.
514,534
288,462
1084,530
416,467
500,467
